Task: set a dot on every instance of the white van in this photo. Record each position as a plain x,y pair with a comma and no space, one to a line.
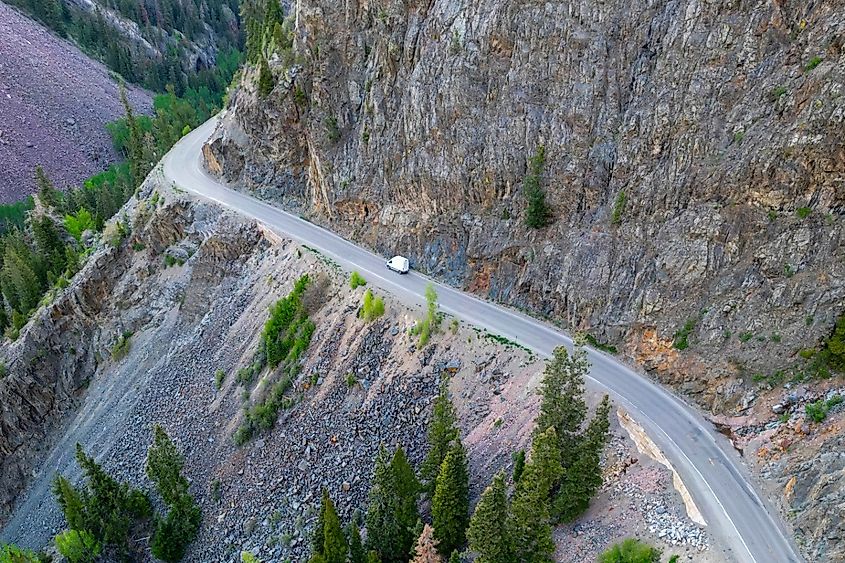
399,264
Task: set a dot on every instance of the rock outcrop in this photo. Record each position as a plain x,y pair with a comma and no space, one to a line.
695,156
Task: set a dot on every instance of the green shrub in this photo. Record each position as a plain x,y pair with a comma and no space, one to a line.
248,557
813,63
746,336
122,346
219,376
777,93
79,223
14,554
680,340
372,308
356,280
428,325
618,208
631,551
78,546
593,341
818,410
803,212
772,215
332,129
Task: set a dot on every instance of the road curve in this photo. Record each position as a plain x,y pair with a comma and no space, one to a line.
711,469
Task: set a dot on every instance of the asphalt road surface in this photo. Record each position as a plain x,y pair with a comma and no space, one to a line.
711,469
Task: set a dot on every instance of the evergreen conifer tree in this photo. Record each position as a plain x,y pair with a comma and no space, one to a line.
383,530
356,548
407,489
318,535
266,82
425,550
583,478
528,520
442,431
488,529
335,547
450,504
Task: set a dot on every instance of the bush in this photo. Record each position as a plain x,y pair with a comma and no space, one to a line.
122,346
356,280
803,212
13,554
78,546
680,340
818,411
372,308
813,63
428,325
618,208
219,376
631,551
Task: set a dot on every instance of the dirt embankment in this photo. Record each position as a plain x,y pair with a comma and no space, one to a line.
54,103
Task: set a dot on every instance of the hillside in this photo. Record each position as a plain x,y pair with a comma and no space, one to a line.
55,104
360,384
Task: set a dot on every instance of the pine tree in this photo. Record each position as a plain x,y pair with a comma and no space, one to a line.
518,465
528,520
425,550
48,195
70,501
450,504
164,467
49,244
77,546
356,548
455,557
488,529
562,406
538,213
318,536
266,82
335,547
407,489
383,534
442,431
136,141
583,478
21,285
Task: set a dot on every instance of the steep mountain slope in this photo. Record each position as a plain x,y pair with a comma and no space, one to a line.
694,156
360,384
55,103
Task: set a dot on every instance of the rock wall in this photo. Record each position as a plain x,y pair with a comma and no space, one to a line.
717,126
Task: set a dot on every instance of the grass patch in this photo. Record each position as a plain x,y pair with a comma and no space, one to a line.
803,212
746,336
777,93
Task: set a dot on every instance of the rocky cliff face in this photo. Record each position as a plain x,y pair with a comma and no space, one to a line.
694,163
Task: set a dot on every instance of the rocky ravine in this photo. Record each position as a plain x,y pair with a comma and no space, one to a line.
717,127
189,320
54,104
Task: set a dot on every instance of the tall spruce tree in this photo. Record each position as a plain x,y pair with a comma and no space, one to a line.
48,195
266,82
335,547
450,504
407,490
356,548
383,529
164,467
529,520
135,146
442,431
488,529
562,406
318,535
583,478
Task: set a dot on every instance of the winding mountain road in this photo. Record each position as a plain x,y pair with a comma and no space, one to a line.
710,468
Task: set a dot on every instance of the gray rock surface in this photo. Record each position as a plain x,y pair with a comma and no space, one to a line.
718,122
